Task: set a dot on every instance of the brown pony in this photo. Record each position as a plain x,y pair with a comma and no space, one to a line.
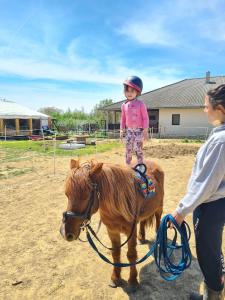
119,202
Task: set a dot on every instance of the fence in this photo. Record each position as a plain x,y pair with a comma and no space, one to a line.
181,132
44,157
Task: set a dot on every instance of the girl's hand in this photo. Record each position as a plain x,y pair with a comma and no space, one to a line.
146,134
121,135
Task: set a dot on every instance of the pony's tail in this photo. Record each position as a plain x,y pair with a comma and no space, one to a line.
154,219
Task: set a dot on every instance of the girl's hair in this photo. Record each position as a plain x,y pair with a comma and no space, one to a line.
217,96
126,87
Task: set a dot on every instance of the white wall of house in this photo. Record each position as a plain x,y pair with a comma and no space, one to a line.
193,122
44,122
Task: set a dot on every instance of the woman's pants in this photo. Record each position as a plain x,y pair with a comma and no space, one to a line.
209,220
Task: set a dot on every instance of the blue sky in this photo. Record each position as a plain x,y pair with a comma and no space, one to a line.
75,53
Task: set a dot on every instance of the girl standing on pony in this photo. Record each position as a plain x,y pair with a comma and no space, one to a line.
134,120
205,197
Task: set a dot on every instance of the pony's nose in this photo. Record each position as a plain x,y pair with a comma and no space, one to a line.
70,237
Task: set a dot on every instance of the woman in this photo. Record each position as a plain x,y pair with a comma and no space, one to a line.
205,197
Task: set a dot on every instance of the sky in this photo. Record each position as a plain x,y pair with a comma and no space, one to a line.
75,53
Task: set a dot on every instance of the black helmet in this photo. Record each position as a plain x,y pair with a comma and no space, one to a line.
134,82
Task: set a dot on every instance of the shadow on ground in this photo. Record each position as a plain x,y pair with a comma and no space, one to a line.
154,287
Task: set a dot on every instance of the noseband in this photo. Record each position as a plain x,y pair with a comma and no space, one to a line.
86,216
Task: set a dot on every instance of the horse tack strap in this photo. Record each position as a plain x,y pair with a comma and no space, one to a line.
162,250
87,214
88,227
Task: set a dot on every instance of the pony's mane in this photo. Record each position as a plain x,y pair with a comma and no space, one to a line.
116,185
118,191
78,180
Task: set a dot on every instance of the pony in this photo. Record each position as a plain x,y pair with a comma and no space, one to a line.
113,191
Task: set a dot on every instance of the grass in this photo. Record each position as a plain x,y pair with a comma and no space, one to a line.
198,141
13,150
10,172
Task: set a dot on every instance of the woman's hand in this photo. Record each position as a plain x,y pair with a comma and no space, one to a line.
179,218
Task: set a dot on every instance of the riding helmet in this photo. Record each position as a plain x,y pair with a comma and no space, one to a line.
134,82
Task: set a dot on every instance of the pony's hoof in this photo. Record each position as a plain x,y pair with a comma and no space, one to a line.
116,283
133,287
141,242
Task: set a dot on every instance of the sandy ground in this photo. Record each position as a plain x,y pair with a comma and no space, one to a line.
36,263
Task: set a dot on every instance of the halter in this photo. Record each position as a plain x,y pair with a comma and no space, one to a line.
86,215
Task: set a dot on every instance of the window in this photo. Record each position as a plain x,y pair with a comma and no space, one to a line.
176,119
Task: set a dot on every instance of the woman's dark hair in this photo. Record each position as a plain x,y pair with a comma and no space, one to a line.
217,96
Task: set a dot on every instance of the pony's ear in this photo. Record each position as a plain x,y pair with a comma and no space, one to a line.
96,170
74,164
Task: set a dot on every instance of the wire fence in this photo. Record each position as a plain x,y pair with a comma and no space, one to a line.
154,132
44,160
16,162
44,157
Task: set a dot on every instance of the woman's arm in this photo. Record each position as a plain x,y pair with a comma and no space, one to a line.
207,180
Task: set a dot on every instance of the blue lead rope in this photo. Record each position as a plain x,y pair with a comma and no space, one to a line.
162,250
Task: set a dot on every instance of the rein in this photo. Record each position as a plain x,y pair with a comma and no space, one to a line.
162,250
88,227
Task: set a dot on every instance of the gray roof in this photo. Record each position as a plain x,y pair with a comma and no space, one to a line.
12,110
188,93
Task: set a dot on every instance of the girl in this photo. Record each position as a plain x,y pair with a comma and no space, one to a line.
134,118
206,197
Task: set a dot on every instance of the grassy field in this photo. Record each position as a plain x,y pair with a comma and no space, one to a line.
47,147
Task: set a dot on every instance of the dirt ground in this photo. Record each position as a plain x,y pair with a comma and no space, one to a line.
36,263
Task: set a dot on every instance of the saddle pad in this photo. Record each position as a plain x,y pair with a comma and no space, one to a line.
147,187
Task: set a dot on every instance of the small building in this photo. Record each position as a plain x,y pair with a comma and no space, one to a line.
175,109
18,120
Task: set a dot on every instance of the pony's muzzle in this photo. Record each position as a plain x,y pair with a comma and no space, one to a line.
70,237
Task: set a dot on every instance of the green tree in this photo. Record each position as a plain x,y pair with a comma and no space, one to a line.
51,110
96,113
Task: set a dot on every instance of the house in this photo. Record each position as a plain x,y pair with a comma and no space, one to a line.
18,120
175,109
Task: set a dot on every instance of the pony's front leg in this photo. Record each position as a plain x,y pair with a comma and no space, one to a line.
116,274
132,257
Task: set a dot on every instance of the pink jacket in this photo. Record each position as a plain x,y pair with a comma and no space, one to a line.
134,115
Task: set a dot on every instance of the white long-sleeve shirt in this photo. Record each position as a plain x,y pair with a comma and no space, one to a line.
207,181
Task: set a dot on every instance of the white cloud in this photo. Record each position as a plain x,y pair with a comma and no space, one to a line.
41,95
29,57
175,23
150,31
36,95
213,29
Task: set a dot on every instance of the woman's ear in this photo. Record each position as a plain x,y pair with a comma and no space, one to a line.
221,107
96,170
74,164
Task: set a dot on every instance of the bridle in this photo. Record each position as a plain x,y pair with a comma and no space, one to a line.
86,215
